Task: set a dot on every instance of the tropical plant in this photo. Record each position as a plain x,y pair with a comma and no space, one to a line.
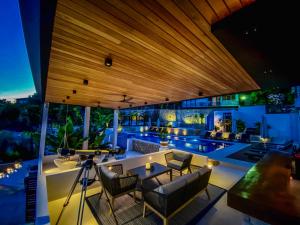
163,133
67,136
98,131
240,126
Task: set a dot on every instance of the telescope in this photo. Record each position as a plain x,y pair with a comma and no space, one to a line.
70,152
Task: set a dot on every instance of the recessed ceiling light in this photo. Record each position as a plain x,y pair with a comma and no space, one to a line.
200,93
108,61
85,82
167,99
74,92
130,105
146,103
63,100
68,97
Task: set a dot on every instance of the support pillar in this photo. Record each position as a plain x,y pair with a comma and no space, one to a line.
43,136
115,128
86,126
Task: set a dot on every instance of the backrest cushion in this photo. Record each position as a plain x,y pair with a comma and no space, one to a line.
180,156
108,173
172,186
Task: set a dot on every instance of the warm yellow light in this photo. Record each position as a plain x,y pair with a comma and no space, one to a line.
17,165
148,166
169,115
169,130
225,135
2,175
120,128
150,158
141,129
176,131
9,170
146,128
184,132
109,168
264,140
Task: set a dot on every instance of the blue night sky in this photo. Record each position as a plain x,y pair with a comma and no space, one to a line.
16,78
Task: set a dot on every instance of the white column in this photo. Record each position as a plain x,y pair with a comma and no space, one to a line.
43,136
115,128
86,126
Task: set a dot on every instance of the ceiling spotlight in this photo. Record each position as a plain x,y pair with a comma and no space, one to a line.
108,61
167,99
146,103
200,93
74,92
68,97
85,82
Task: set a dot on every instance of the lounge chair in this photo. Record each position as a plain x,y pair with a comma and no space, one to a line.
179,161
115,184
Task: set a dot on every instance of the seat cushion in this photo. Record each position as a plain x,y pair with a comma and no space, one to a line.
175,164
108,173
180,156
172,186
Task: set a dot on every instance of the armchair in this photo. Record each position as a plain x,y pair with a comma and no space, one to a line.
115,184
179,161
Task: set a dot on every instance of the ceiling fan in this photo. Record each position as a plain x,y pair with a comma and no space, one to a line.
126,100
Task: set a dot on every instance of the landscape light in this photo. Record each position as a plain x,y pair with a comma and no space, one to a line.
243,97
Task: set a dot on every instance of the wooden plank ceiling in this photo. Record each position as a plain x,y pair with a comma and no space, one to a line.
160,49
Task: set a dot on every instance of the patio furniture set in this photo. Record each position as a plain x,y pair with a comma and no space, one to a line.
165,200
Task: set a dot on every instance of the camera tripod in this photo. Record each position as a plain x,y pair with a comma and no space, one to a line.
85,182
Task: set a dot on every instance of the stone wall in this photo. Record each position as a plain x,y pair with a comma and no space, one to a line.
144,147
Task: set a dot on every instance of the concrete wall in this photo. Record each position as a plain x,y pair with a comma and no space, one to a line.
283,126
251,114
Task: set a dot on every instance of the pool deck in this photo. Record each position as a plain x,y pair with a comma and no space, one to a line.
219,154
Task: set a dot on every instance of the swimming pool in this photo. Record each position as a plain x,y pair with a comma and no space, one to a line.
188,143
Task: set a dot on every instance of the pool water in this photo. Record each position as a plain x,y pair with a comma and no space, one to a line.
188,143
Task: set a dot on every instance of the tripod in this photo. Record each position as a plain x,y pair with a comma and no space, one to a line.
85,182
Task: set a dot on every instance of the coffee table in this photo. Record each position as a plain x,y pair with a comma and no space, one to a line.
156,170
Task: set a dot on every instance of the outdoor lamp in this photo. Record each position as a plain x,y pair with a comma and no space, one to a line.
2,175
211,163
148,164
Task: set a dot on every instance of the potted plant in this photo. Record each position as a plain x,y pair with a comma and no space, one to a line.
163,137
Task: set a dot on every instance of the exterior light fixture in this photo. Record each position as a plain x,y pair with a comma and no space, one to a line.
146,103
167,99
200,93
243,97
63,100
85,82
108,61
130,105
68,97
74,92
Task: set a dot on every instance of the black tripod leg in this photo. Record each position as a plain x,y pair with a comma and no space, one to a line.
82,196
70,193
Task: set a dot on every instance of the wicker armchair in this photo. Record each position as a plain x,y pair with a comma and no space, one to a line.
179,161
115,184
